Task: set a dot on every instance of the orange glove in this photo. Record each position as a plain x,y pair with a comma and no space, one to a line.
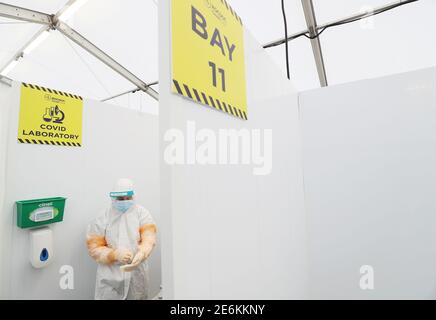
123,256
100,252
145,247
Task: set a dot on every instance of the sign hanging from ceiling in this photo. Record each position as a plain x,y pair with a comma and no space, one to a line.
208,59
50,117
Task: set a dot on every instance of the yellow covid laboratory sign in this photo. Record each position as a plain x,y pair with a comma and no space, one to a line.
208,59
50,117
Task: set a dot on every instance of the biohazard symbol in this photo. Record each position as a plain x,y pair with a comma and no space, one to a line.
54,114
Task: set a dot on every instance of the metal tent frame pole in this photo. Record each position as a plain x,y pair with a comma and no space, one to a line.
309,14
6,81
127,92
53,22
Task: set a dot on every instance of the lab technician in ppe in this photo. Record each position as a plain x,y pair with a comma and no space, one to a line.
120,241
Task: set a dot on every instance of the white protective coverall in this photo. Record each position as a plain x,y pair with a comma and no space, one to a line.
121,230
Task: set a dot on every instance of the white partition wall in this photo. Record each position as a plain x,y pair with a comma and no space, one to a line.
370,178
227,232
117,143
5,93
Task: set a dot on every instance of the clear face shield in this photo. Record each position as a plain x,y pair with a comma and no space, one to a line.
122,201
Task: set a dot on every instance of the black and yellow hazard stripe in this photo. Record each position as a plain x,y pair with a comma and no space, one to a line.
52,91
233,12
50,143
208,100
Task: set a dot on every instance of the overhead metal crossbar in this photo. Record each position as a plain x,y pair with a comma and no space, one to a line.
6,81
22,14
53,22
127,92
313,32
103,57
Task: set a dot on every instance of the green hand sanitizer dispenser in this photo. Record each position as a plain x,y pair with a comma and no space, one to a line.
40,212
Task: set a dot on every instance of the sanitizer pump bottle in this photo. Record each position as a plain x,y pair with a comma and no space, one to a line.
41,247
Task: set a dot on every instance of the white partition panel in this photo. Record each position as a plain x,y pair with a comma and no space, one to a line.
5,93
227,232
370,178
117,143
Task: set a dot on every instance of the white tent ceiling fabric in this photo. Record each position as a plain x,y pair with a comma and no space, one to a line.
393,42
129,36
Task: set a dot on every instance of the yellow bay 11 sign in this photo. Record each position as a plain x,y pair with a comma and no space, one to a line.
50,117
208,59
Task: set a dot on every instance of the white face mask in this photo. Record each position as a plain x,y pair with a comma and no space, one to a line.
123,205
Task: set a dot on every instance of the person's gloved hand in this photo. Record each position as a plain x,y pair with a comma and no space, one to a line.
123,256
142,254
139,257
